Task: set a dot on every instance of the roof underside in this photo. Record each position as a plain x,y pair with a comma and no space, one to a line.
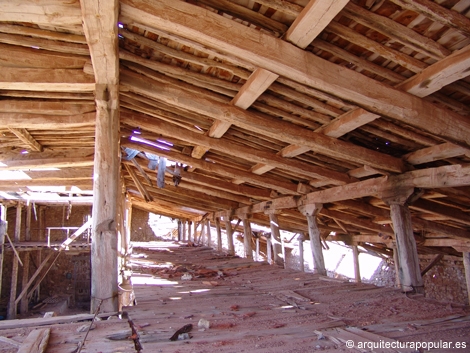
257,101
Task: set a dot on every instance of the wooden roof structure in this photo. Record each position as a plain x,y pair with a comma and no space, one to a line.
265,106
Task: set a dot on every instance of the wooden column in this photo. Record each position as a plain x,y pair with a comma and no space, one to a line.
396,265
408,261
466,264
195,224
27,236
11,313
229,231
357,272
104,271
203,233
3,231
19,208
219,234
189,230
257,249
24,300
269,250
275,237
247,237
184,230
301,239
180,230
208,232
311,211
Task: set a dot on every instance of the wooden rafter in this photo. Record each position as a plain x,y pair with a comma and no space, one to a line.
27,139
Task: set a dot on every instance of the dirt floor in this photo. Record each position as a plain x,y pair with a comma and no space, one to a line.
255,307
210,302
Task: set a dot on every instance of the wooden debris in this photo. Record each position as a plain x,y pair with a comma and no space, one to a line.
185,329
36,342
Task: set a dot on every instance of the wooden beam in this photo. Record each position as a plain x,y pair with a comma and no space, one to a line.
434,77
55,12
44,122
260,123
312,21
396,31
45,108
244,152
438,13
257,83
298,65
27,139
143,191
437,152
45,80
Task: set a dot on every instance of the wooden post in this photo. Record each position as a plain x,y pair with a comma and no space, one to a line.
269,250
28,222
408,261
203,233
301,238
357,272
195,224
310,211
275,237
3,231
184,231
25,299
257,249
247,237
189,230
19,208
229,231
219,234
283,248
11,313
104,254
180,230
397,267
466,264
209,236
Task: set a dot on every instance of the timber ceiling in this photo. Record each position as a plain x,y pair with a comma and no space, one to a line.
268,104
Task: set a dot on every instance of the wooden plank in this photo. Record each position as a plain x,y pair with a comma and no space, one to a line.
299,66
312,21
43,122
36,341
22,323
46,108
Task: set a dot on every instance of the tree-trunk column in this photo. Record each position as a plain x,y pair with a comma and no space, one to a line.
104,254
219,234
247,237
311,211
301,239
408,261
466,264
229,231
276,238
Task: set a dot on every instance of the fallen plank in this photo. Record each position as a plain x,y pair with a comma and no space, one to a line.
36,341
396,326
8,324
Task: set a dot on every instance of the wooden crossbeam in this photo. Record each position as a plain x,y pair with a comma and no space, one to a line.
312,21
